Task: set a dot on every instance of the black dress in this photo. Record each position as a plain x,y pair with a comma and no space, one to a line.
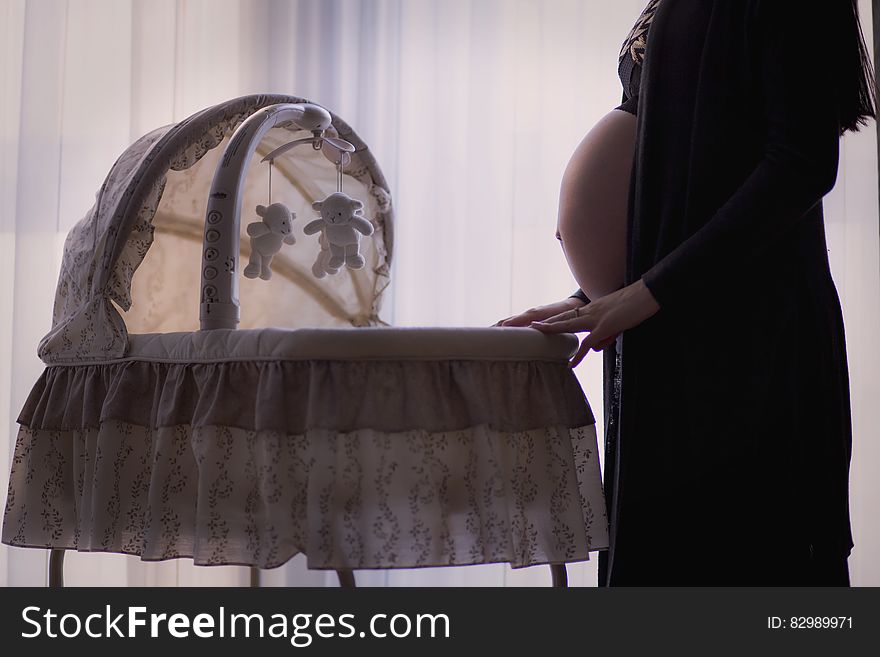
728,433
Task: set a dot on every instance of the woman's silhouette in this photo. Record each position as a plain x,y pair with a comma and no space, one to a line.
691,217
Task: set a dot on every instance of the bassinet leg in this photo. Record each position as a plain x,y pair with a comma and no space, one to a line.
346,579
56,569
560,575
255,577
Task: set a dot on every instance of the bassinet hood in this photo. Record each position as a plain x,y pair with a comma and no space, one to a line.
157,191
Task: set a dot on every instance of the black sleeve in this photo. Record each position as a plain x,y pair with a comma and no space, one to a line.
580,295
799,163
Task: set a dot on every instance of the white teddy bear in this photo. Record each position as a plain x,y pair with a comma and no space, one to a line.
267,235
341,224
321,267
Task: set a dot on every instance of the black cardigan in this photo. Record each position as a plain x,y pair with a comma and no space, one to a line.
732,441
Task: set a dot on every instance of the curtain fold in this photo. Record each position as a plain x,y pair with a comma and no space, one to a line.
472,108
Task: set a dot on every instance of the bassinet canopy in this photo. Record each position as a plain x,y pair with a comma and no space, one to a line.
159,188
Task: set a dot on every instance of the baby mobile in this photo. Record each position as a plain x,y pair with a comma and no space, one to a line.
339,226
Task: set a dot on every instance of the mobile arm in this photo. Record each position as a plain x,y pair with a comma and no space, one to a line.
220,250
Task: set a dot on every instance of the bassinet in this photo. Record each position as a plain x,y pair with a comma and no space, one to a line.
327,433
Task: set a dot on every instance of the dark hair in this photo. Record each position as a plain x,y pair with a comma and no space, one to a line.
857,92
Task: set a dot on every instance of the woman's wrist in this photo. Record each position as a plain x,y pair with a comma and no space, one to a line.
645,297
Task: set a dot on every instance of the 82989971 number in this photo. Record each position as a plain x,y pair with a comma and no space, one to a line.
810,623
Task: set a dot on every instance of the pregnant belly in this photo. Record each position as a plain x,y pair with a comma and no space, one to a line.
593,203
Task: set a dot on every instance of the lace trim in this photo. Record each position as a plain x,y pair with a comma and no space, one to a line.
637,40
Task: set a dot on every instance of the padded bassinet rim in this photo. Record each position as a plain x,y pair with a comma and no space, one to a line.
269,379
369,343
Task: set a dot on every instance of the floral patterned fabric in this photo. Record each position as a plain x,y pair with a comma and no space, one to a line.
362,499
360,447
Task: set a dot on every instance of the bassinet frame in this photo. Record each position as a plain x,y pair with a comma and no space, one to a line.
255,115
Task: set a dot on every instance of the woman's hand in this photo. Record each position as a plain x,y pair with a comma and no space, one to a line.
540,313
605,318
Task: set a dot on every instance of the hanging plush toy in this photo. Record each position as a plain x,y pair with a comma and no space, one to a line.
341,224
322,267
267,236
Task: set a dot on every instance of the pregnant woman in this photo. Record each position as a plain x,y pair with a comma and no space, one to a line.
695,230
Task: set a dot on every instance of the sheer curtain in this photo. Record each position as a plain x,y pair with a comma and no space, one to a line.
472,108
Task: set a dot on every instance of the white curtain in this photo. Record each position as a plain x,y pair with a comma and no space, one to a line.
472,108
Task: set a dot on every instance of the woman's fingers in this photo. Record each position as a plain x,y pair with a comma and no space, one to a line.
570,321
576,325
582,351
576,321
605,343
604,318
539,313
572,313
523,319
